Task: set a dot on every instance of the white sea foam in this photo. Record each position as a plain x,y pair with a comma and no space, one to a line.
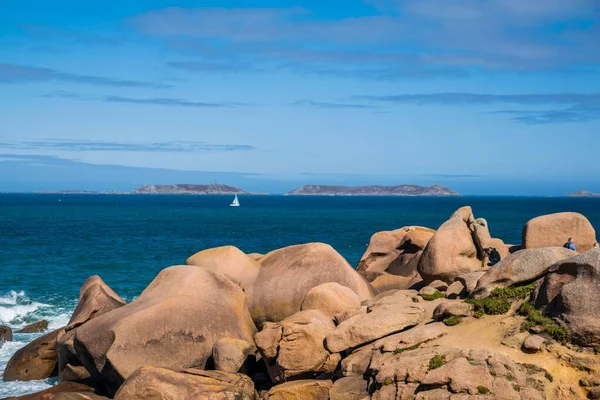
17,310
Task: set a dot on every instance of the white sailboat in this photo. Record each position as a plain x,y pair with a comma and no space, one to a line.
236,202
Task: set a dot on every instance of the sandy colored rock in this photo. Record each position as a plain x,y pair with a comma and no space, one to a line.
288,274
455,290
381,321
294,347
438,285
448,309
452,250
553,230
533,344
174,324
594,393
230,354
166,384
37,360
428,291
61,388
396,253
384,281
96,298
36,327
590,381
470,280
301,390
410,338
6,335
357,363
331,298
570,292
520,268
460,376
435,394
344,315
349,388
391,297
230,261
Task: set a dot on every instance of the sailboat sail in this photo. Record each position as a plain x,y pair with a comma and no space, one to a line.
236,202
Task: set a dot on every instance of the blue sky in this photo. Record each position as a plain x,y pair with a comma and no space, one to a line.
484,96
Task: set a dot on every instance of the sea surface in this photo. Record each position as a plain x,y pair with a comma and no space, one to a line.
49,244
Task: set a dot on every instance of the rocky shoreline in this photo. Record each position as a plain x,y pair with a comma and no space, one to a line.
423,317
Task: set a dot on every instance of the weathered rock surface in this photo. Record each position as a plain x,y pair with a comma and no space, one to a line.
452,250
455,290
396,253
96,298
520,268
349,313
286,276
6,335
301,390
230,261
383,320
173,324
294,347
37,360
349,388
448,309
470,280
166,384
331,298
36,327
553,230
533,344
59,391
570,292
230,354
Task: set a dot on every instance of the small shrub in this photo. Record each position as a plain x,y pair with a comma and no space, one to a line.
482,389
452,320
478,314
535,318
559,333
400,351
597,350
490,306
436,362
387,382
431,297
516,293
517,387
510,378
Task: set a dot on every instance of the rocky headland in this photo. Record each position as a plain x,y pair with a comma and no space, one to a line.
401,190
583,193
423,317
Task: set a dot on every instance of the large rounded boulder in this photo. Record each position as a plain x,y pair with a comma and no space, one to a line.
37,360
452,250
174,323
519,268
553,230
229,261
571,293
96,298
395,253
287,275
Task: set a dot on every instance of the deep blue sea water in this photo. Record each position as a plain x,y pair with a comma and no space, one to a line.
49,244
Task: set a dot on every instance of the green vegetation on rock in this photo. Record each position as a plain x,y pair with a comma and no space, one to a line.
514,293
387,382
535,318
452,320
482,389
499,301
431,297
436,362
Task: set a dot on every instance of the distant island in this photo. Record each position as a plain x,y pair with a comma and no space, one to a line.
401,190
583,193
81,192
211,189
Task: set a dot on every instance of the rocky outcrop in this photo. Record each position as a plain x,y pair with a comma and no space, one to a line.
288,274
350,388
229,261
166,384
96,298
63,391
6,335
553,230
293,348
570,292
174,323
520,268
230,354
36,327
455,248
301,390
395,253
331,298
37,360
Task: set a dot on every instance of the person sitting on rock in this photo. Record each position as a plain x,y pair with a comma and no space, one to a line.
570,245
493,256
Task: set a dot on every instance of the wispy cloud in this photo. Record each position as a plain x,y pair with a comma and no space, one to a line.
157,147
214,66
460,37
145,101
341,106
14,73
569,115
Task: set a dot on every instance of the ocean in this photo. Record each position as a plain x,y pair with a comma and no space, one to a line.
49,244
